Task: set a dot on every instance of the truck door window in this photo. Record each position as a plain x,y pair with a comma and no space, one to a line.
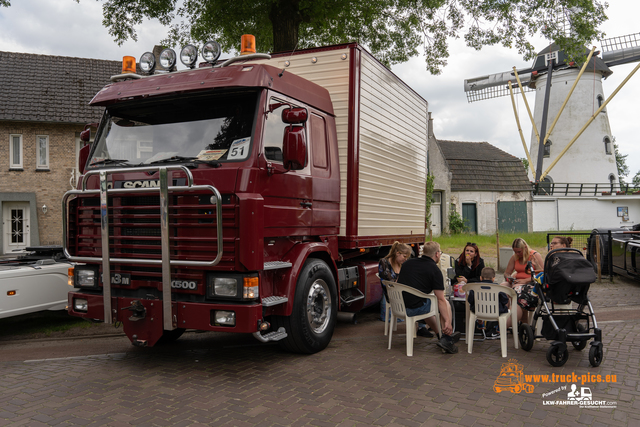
274,130
318,141
211,126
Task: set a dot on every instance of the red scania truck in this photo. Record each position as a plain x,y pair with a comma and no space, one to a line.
253,195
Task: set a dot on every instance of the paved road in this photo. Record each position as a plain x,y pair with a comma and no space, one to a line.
229,380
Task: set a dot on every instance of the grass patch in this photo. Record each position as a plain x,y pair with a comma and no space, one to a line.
454,244
42,323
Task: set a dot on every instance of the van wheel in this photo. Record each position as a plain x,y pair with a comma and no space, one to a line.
313,318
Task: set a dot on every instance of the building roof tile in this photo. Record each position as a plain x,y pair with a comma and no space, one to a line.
482,167
52,89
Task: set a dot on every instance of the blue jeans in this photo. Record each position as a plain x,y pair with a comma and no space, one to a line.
423,309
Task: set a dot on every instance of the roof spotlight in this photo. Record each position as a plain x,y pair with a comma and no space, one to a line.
148,62
189,55
168,58
211,51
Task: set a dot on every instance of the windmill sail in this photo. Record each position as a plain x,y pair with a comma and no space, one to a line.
495,85
621,50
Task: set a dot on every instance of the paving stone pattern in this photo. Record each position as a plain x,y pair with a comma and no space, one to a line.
356,381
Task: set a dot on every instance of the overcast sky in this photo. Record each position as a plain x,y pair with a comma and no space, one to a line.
66,28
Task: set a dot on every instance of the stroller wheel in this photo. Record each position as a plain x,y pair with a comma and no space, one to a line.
580,345
525,334
555,357
595,355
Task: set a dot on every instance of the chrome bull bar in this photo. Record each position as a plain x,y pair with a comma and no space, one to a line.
164,189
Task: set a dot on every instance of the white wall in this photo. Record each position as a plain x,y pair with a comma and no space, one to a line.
584,213
486,206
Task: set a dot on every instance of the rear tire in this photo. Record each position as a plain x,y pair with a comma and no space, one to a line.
313,318
525,335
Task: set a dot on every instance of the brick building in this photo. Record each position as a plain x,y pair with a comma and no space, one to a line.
43,108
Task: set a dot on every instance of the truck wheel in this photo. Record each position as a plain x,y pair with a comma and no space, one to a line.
313,318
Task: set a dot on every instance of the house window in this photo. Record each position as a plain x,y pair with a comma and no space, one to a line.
607,145
600,102
547,148
42,152
15,151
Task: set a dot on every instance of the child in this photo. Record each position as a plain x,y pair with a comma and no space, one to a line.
488,275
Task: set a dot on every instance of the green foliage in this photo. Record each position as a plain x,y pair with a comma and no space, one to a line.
621,163
636,180
429,192
525,163
457,224
393,30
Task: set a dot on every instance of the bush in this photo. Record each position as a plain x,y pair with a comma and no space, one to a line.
457,225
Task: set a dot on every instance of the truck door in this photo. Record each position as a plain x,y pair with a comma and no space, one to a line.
288,196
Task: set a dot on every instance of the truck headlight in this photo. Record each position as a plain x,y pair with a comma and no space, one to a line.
86,277
224,318
226,287
80,304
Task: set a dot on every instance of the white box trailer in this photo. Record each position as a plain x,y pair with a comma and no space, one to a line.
381,127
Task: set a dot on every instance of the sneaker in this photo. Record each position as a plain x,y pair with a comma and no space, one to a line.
424,332
447,345
492,334
455,337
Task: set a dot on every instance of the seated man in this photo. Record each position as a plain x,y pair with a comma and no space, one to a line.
423,274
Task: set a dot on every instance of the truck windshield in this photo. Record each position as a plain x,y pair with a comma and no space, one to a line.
204,127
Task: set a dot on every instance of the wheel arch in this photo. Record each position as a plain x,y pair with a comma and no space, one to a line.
298,256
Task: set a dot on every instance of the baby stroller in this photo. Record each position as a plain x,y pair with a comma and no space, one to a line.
566,280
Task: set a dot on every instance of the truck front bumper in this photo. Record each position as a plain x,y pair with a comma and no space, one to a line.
142,318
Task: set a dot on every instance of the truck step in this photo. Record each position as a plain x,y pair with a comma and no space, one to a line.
274,300
274,265
271,336
349,297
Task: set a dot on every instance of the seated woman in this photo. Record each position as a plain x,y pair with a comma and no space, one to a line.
469,265
389,269
522,254
560,242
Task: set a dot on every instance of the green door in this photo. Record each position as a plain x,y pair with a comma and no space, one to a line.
512,217
469,215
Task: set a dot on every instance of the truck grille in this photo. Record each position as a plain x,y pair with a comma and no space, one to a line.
134,231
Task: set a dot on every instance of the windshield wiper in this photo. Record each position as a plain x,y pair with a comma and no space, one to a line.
109,161
175,159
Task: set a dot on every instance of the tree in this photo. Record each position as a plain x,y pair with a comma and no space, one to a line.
636,180
525,163
393,30
621,164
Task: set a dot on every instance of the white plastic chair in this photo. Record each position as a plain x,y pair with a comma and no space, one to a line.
487,308
387,312
398,311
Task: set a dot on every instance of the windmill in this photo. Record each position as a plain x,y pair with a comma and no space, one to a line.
571,139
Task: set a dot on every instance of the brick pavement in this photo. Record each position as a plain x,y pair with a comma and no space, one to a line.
230,380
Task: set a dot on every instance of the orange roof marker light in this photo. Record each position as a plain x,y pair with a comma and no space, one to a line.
248,44
128,65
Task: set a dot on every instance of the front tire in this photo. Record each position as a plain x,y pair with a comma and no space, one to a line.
313,318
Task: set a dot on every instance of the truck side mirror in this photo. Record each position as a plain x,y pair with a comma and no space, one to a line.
294,148
294,116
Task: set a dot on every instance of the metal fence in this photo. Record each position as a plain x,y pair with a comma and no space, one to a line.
558,189
596,247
